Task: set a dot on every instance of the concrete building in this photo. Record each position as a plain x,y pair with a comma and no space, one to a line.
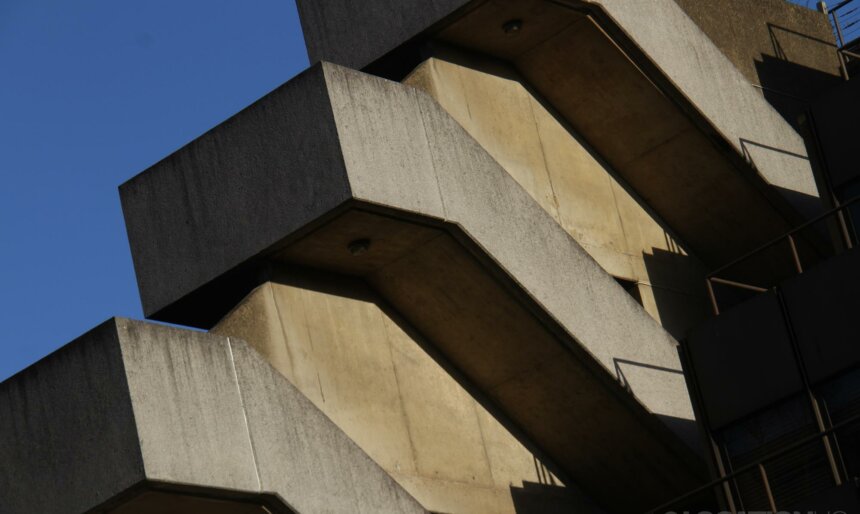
488,256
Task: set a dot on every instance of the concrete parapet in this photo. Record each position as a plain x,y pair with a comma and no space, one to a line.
352,173
134,414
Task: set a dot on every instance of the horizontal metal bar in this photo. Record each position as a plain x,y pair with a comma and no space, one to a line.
743,469
779,239
740,285
840,5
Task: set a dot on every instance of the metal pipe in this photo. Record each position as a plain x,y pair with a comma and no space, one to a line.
733,486
743,469
770,500
831,458
807,386
838,28
842,64
712,296
740,285
779,239
826,414
846,236
794,254
840,5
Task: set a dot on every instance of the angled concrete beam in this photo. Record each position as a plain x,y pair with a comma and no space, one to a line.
639,80
454,243
134,415
357,34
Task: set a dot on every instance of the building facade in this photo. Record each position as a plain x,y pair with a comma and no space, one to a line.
488,256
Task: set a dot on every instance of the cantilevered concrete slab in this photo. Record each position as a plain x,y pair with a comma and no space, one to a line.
638,80
335,157
134,417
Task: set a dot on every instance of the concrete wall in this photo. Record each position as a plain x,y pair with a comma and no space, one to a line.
365,368
411,169
749,33
660,28
709,79
571,182
788,49
134,405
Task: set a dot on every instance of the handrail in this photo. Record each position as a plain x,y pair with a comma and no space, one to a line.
758,464
791,232
711,278
840,5
842,27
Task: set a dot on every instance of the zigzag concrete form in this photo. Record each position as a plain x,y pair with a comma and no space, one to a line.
638,80
134,417
455,244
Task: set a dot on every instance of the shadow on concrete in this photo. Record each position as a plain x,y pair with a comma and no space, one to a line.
775,31
540,498
790,87
358,289
687,430
678,288
746,143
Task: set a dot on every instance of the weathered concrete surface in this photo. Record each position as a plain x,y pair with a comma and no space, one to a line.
132,404
445,222
577,188
659,143
686,54
356,34
68,420
189,254
788,49
339,343
644,131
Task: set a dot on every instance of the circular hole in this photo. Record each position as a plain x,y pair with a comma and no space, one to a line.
512,27
358,247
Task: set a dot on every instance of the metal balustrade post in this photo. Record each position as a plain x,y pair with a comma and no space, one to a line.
828,449
712,296
770,499
841,44
794,254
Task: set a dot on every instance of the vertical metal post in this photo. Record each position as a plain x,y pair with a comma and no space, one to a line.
770,500
729,470
701,414
804,377
826,413
794,254
831,458
839,53
846,235
712,296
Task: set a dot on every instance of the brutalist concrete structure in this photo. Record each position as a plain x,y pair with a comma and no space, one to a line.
474,259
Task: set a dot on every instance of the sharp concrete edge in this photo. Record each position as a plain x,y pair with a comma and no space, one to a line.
132,402
450,176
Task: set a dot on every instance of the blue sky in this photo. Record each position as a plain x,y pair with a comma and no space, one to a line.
91,93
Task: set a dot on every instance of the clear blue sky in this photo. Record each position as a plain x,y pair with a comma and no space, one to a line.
91,93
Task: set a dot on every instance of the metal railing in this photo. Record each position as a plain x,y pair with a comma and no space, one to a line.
825,437
845,18
847,235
